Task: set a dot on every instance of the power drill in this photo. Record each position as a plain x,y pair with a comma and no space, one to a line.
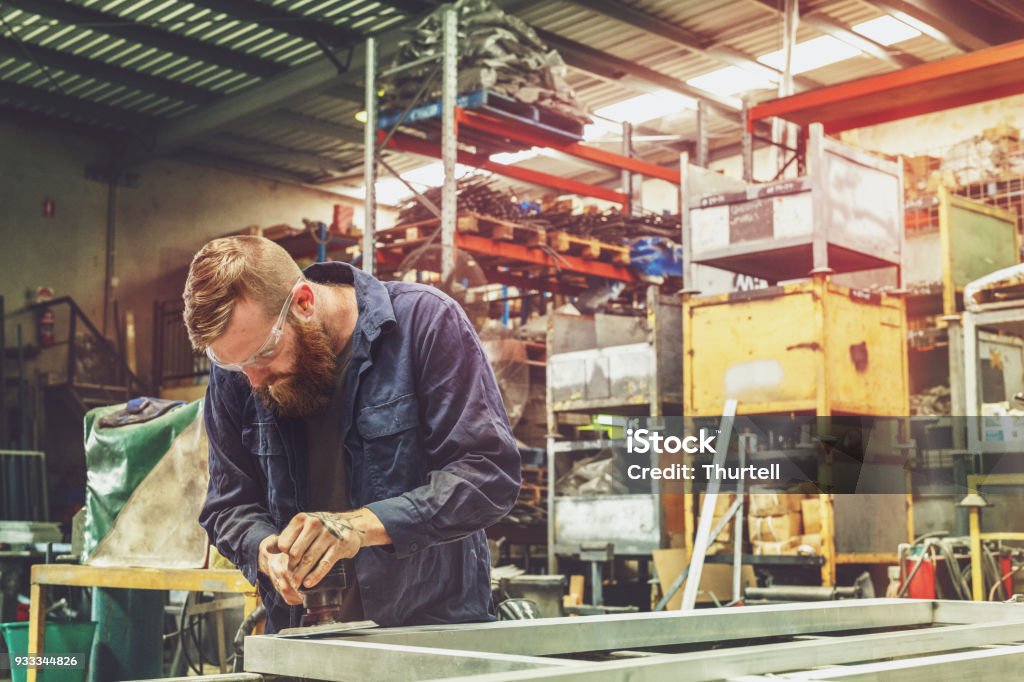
323,602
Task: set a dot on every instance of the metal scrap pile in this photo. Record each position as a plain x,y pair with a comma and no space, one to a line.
476,194
612,226
497,51
935,401
600,474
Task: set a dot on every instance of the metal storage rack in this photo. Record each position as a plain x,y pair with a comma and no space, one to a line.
784,230
851,356
1006,317
490,130
620,366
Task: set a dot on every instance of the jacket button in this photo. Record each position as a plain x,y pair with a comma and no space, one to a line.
414,547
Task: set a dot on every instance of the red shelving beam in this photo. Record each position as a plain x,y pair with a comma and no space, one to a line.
513,253
537,137
416,145
966,79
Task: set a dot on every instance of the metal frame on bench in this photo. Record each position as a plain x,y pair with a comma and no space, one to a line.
877,639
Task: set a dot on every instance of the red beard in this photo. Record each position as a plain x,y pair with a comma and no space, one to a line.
309,387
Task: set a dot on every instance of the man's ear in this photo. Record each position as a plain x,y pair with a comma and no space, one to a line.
305,299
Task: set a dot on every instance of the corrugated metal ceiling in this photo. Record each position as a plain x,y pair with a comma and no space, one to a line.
114,66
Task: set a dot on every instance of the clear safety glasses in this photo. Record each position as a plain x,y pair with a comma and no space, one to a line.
266,352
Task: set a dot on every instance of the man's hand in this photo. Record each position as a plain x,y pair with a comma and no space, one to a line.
315,541
273,563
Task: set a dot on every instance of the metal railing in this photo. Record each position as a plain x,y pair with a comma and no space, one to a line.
173,358
91,362
23,484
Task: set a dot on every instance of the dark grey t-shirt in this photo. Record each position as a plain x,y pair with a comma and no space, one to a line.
328,472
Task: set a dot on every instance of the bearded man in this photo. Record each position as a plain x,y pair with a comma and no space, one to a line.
350,420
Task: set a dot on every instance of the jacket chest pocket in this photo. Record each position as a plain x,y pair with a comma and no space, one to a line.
263,441
391,447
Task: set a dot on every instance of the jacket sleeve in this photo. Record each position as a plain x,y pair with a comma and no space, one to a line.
471,453
235,514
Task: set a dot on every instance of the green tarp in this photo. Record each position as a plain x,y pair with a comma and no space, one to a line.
117,459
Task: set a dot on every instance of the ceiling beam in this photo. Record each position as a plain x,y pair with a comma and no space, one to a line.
150,36
971,26
317,126
609,66
224,161
23,96
686,39
270,16
831,27
33,120
104,71
346,92
259,148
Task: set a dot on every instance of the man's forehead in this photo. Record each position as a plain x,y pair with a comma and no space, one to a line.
246,331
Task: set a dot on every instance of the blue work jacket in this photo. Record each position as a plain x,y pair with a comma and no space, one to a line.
431,453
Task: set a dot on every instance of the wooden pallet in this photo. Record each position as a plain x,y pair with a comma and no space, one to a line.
587,247
500,230
531,494
534,474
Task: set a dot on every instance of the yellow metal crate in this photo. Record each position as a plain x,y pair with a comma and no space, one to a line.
807,347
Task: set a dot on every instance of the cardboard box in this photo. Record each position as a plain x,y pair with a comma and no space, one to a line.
773,504
812,540
722,503
714,579
726,534
776,548
811,510
775,528
719,548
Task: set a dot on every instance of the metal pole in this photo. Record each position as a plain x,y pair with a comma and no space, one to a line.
780,128
111,250
702,133
737,548
449,150
708,509
370,158
3,377
977,580
747,146
626,176
684,222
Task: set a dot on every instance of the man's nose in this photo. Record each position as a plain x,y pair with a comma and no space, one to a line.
257,375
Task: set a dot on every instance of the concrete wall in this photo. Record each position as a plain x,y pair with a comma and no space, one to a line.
172,211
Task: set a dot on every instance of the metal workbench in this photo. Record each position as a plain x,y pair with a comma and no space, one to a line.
878,639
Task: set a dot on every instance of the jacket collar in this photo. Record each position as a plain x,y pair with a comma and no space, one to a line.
376,314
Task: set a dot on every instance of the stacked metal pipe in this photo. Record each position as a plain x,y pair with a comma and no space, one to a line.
476,194
497,51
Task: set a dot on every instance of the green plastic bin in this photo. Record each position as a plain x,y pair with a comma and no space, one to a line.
61,639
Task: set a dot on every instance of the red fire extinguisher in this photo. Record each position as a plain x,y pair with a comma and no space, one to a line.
45,318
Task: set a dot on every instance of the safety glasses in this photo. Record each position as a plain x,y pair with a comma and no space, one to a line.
266,352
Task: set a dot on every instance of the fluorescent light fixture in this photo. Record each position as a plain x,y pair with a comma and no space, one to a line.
432,175
509,158
811,54
601,128
886,30
361,116
391,190
388,191
730,80
646,107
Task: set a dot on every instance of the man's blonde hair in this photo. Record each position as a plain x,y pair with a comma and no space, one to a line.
228,269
